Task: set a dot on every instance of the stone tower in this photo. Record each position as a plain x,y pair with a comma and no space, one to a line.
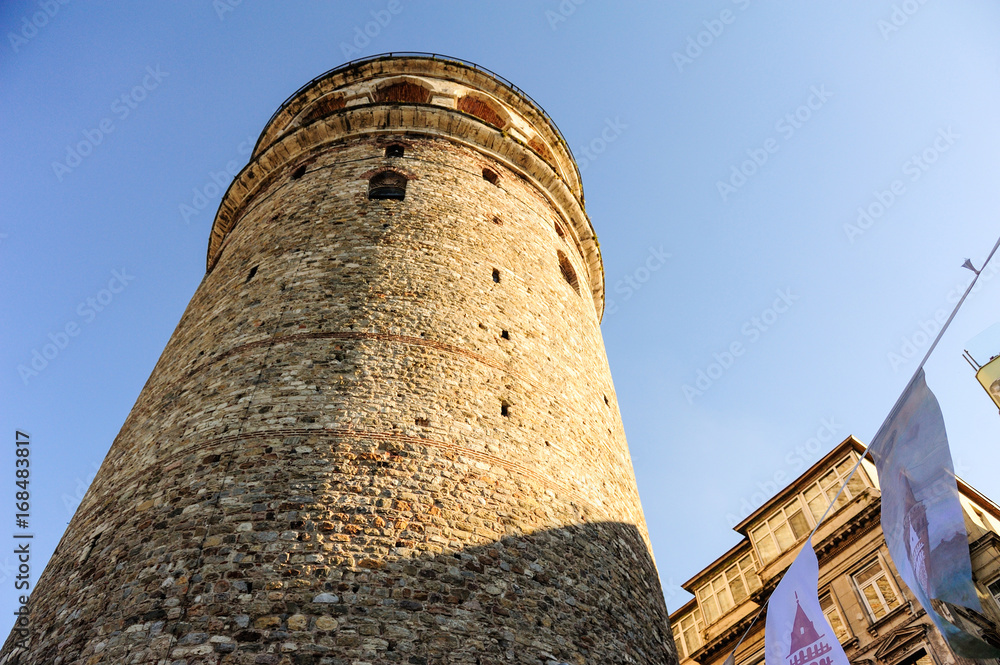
384,430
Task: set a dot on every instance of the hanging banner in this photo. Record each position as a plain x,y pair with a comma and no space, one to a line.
796,631
922,517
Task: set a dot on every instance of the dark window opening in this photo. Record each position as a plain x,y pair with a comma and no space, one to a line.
299,172
490,176
606,402
497,220
559,231
253,271
505,334
395,150
919,658
568,273
387,185
423,422
90,549
496,275
504,409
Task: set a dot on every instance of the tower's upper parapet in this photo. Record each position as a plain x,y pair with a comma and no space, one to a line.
426,94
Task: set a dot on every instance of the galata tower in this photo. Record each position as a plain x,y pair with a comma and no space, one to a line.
384,430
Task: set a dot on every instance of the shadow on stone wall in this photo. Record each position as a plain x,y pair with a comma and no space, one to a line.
578,594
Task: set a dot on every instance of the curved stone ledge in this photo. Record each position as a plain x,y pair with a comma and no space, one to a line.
287,142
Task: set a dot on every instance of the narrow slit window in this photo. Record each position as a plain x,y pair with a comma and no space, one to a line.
387,185
567,272
504,409
496,275
90,548
490,176
253,271
504,334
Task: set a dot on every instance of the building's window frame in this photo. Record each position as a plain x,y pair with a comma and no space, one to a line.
679,642
993,588
914,659
770,527
826,490
717,596
746,574
835,609
769,550
893,586
685,628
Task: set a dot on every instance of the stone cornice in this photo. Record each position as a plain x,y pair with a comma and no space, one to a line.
866,519
285,142
986,540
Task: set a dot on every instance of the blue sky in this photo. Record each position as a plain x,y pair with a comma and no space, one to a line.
747,136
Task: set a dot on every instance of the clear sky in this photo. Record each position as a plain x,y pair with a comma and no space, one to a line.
746,136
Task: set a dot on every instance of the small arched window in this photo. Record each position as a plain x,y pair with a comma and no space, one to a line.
567,272
387,185
490,176
394,150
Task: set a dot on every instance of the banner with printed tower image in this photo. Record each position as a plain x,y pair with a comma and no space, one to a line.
922,516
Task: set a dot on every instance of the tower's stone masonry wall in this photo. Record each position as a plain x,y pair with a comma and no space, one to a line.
318,470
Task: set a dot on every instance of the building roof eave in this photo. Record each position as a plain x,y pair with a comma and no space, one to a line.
849,443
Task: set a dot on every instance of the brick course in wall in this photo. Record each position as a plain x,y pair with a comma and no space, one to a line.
383,431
